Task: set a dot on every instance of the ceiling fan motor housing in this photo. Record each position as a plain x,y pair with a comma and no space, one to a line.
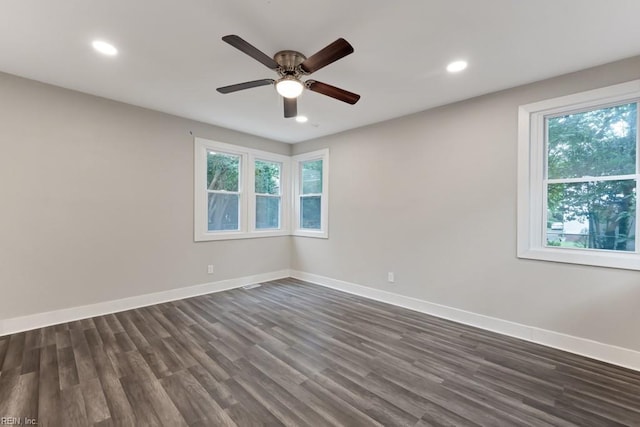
289,61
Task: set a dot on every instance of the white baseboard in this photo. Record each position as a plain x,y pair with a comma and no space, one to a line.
40,320
596,350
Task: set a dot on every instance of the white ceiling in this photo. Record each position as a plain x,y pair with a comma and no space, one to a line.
171,57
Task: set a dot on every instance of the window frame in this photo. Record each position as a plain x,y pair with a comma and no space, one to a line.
297,162
246,178
532,179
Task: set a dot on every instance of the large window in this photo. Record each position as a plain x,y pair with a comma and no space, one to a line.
240,192
311,194
577,180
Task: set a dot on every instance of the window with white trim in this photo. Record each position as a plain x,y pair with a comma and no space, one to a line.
577,178
311,200
239,192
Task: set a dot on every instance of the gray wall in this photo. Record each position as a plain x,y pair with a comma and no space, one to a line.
432,197
96,202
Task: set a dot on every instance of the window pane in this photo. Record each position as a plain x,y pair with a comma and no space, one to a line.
594,143
310,212
223,211
312,177
267,177
267,212
593,215
223,171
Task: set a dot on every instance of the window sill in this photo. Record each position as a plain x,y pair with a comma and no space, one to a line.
595,258
319,234
236,235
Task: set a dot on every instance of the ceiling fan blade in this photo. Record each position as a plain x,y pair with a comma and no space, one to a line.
333,92
245,85
336,50
250,50
290,107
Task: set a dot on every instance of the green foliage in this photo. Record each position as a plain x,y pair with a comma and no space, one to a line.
222,172
267,177
593,143
596,143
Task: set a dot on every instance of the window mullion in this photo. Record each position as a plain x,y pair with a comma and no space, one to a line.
223,192
590,179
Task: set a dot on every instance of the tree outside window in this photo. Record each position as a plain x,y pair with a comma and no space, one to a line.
591,185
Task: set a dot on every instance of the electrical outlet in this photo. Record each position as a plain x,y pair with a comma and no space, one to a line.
210,269
391,277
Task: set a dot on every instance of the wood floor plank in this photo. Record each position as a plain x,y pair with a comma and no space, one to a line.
49,399
63,339
162,404
20,398
217,389
249,411
120,410
73,412
15,350
145,415
280,410
285,403
359,397
9,390
67,369
4,345
31,361
292,353
155,362
193,401
49,335
332,408
96,407
82,355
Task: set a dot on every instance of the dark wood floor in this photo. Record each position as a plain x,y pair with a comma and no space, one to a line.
290,353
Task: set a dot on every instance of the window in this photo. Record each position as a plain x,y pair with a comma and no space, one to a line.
239,192
268,195
311,195
577,178
223,191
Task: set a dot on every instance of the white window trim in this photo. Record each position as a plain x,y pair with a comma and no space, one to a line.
531,158
247,192
323,233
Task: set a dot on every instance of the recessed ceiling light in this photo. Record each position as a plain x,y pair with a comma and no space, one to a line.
104,48
301,119
456,66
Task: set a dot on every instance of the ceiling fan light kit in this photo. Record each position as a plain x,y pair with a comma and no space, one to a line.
291,66
289,87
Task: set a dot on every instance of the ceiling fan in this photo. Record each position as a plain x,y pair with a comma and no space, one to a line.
291,66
